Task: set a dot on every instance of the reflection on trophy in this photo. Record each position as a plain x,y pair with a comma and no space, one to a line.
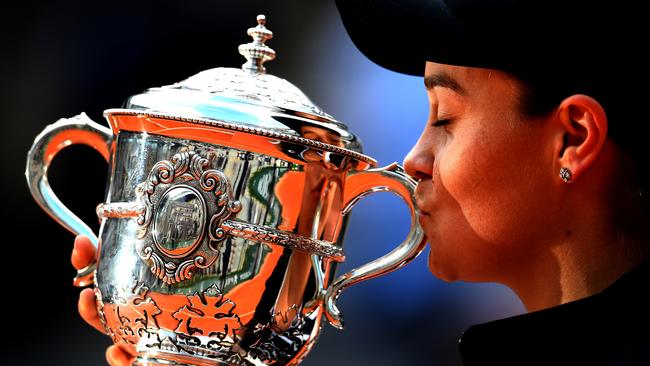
224,217
179,227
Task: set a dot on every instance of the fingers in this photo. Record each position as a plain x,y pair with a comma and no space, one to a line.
88,310
83,252
118,357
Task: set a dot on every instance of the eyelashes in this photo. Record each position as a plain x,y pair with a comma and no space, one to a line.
440,122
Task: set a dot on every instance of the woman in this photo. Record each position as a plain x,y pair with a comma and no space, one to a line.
530,168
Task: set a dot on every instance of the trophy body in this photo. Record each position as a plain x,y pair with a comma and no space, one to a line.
224,216
215,260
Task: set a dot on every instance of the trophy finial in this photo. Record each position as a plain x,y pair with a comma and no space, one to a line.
261,19
257,52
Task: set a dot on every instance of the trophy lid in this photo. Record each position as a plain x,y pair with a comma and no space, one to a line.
248,98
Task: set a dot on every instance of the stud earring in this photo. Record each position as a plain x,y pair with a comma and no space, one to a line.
565,174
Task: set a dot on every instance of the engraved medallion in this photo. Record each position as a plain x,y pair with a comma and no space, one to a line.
176,201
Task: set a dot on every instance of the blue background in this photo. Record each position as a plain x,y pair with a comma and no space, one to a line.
65,57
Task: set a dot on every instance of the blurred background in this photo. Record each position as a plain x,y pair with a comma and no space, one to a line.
61,58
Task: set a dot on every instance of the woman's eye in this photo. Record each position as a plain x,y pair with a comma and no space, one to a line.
440,122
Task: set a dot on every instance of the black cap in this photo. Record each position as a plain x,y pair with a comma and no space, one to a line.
525,36
591,47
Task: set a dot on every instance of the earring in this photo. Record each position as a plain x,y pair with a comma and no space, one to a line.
565,174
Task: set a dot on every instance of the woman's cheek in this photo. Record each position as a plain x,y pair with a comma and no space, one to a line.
472,194
458,173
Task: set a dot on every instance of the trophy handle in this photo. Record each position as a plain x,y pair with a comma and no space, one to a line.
359,184
54,138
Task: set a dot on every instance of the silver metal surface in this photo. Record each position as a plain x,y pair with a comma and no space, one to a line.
243,230
256,52
224,217
180,197
54,138
320,248
250,296
319,138
391,178
258,101
117,210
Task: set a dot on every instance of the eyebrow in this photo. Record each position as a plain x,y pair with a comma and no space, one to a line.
443,80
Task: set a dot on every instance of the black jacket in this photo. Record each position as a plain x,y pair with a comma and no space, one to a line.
611,328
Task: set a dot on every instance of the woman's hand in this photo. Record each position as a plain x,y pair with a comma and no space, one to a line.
82,255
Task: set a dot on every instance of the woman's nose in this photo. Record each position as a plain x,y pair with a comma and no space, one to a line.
418,163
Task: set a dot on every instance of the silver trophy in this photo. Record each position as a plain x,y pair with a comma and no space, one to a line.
223,221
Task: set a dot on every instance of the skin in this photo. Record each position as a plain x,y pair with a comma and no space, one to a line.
82,255
493,206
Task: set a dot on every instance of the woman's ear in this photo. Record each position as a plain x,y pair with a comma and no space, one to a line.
583,128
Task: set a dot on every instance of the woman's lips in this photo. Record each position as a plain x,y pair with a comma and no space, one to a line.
423,192
423,212
421,207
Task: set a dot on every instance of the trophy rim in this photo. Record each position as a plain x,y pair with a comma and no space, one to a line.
247,129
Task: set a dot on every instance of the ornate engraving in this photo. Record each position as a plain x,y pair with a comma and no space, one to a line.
207,324
173,204
119,210
209,314
270,235
131,315
277,345
246,231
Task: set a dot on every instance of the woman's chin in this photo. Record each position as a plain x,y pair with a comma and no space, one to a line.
441,269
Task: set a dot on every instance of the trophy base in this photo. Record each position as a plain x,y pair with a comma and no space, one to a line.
166,359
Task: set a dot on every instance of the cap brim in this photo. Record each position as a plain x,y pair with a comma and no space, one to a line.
401,36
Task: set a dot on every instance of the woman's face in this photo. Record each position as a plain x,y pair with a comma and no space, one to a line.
487,176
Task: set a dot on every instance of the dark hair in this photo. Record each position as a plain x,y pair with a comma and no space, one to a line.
541,95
